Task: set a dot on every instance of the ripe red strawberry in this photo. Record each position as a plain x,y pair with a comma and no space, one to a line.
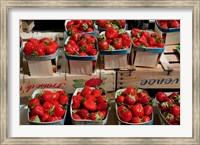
136,120
175,110
164,106
54,44
61,92
63,99
148,109
76,116
78,98
103,45
160,44
129,90
83,113
96,116
75,37
120,110
39,48
70,49
52,119
83,54
170,118
91,97
145,33
146,118
96,93
50,50
160,96
117,43
101,23
33,102
58,111
122,23
47,96
45,117
76,105
35,118
174,95
29,48
46,41
34,41
144,99
86,91
47,106
111,33
38,110
169,100
90,105
142,93
174,24
152,41
54,102
130,99
102,106
101,99
93,52
120,100
93,82
126,116
137,110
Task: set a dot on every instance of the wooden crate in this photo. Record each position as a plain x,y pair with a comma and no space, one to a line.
26,25
166,75
64,81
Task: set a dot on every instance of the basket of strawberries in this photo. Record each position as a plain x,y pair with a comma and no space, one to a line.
89,106
40,53
114,46
103,25
133,107
47,107
148,47
168,106
79,26
81,52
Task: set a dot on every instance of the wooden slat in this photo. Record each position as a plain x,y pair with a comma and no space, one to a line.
165,63
173,57
170,49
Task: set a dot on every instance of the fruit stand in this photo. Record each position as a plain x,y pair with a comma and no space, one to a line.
98,63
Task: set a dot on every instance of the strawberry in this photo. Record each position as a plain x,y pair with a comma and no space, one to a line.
169,100
170,118
58,111
63,99
47,96
83,54
152,41
61,92
46,41
34,41
90,105
136,120
78,98
93,52
129,90
91,97
45,117
83,113
148,109
94,82
120,100
76,105
47,106
40,49
75,37
102,106
33,102
164,106
145,33
137,110
35,118
96,116
111,33
117,43
76,116
146,118
130,99
103,45
86,91
120,110
38,110
160,96
122,23
96,93
144,99
50,50
29,48
101,99
56,96
126,116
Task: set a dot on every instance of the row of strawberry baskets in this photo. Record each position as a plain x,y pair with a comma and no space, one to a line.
114,43
91,106
113,46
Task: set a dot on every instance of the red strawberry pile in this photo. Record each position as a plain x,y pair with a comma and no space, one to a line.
90,104
166,24
169,106
81,45
142,38
134,107
79,26
48,106
94,82
44,46
106,24
114,40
